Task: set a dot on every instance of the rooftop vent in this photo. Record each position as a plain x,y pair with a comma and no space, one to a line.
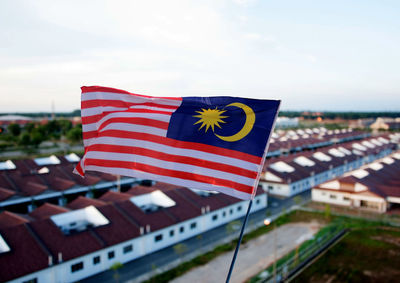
72,157
79,220
383,140
204,193
388,160
7,165
3,246
335,152
51,160
322,156
344,150
357,152
360,173
359,146
281,166
152,201
368,144
376,166
43,170
309,131
376,142
304,161
396,155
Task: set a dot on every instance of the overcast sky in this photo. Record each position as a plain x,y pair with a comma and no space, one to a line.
313,55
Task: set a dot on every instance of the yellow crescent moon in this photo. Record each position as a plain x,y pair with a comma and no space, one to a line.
248,124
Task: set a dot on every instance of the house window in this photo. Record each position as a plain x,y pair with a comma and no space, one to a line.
224,214
96,260
239,208
214,217
346,198
182,229
171,233
127,249
33,280
111,255
76,267
158,238
270,188
193,225
257,201
332,196
231,211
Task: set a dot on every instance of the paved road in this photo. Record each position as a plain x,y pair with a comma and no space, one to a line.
161,259
254,256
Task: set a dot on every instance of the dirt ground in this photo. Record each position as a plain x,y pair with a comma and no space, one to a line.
254,256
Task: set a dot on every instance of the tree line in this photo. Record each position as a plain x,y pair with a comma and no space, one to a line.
32,134
338,115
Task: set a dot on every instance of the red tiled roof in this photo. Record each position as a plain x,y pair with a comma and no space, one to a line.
111,196
157,220
82,202
8,219
140,190
5,194
46,210
120,228
26,255
70,246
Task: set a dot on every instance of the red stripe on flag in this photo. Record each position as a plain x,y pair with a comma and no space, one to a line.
171,173
86,89
175,143
173,158
79,169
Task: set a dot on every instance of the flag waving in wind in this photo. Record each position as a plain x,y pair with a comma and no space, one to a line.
208,143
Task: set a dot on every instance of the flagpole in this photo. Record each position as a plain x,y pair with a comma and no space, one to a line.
255,187
239,241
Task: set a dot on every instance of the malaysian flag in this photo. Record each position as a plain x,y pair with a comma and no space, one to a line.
208,143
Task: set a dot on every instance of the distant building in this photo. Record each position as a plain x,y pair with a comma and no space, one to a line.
361,123
296,173
386,124
373,187
6,120
286,122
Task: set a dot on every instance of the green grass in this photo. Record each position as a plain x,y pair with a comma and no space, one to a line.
366,254
331,222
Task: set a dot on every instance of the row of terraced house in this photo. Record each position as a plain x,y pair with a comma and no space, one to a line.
48,212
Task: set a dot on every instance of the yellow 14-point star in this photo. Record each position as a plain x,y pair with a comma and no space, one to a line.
210,118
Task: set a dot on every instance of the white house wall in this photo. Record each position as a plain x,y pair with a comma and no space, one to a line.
297,187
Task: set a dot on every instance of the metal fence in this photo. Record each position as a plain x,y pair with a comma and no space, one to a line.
290,264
